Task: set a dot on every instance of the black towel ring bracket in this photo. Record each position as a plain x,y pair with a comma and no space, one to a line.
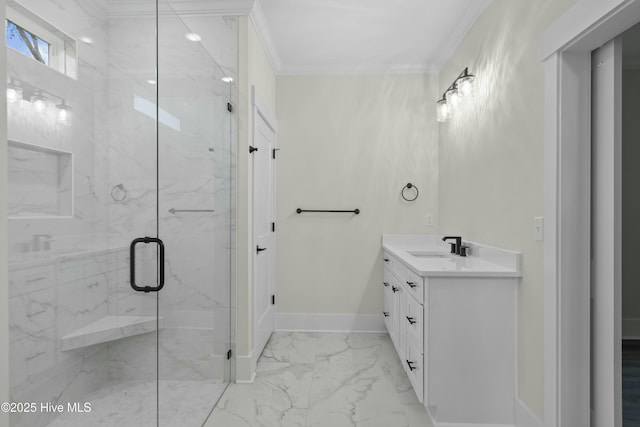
409,186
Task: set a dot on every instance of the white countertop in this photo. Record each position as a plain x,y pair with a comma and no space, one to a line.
428,255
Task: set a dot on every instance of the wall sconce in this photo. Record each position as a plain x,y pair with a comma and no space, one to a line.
18,89
461,87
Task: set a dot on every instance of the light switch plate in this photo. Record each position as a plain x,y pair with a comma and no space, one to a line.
538,228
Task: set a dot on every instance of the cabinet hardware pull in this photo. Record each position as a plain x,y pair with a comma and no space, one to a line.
411,367
385,283
411,320
413,285
259,249
386,313
386,259
394,289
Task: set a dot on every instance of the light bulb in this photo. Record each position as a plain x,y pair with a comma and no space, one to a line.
14,94
39,102
465,85
453,97
443,112
64,114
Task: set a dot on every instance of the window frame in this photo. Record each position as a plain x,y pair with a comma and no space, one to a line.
61,58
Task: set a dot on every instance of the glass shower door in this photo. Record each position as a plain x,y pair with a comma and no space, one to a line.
195,182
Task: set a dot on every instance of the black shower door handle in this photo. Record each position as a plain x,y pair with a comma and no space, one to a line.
132,264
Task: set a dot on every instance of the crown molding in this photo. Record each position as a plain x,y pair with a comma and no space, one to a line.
460,32
337,70
257,18
128,8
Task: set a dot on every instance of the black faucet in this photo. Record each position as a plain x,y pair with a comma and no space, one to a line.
455,247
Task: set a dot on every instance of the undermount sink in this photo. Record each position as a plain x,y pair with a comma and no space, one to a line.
423,254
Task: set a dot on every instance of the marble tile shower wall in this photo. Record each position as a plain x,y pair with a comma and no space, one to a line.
54,295
50,299
113,144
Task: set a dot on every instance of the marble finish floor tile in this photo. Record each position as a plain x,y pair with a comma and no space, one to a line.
182,403
320,380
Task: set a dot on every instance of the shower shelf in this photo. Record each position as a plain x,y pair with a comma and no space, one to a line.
110,328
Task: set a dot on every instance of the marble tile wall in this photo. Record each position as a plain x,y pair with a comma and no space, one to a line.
49,298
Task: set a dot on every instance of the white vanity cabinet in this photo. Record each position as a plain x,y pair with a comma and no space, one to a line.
453,324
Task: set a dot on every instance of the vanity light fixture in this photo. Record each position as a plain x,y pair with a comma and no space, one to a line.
461,87
40,99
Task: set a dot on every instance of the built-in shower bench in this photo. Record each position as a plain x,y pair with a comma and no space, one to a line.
110,328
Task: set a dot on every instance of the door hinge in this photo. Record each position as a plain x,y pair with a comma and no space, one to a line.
273,227
273,300
273,152
229,107
229,354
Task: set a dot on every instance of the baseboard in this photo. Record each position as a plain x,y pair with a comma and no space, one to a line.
524,416
321,322
245,369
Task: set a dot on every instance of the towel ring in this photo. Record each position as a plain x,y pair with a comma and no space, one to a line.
118,193
408,187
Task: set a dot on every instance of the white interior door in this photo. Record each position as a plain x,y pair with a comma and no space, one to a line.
606,262
264,235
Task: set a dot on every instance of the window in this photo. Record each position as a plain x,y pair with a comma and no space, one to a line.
29,34
27,43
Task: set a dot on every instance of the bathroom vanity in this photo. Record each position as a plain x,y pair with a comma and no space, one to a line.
453,322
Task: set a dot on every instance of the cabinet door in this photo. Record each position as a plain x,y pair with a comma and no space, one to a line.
399,301
387,309
413,320
413,361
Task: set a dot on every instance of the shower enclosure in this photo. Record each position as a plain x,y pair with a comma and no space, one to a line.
121,210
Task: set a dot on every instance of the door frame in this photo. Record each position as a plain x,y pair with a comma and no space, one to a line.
566,55
606,236
260,108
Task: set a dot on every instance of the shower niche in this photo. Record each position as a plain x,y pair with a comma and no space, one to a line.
40,181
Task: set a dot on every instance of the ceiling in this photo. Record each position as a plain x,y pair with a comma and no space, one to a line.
363,36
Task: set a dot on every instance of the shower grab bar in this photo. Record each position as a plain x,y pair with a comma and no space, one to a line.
173,211
355,211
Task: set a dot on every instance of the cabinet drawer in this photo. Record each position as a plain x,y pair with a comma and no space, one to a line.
389,262
414,323
415,285
413,366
